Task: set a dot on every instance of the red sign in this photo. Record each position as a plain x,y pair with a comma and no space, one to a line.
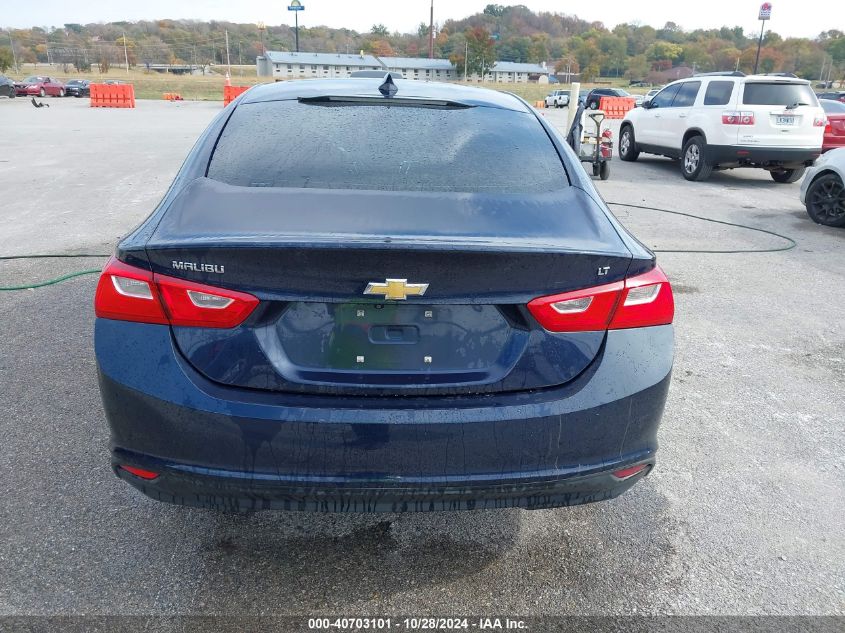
765,11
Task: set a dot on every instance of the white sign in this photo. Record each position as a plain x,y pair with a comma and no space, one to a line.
765,11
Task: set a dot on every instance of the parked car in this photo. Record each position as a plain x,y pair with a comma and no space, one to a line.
316,332
7,87
638,100
114,82
823,189
834,131
728,121
557,99
835,96
594,96
78,88
651,93
40,86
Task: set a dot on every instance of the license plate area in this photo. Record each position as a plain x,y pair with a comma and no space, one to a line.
393,337
785,119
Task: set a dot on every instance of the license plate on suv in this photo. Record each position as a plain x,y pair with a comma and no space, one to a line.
784,119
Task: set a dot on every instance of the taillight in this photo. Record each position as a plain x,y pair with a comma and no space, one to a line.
821,122
126,293
139,472
647,300
191,304
627,473
735,117
640,301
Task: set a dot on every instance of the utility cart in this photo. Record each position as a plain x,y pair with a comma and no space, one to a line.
592,142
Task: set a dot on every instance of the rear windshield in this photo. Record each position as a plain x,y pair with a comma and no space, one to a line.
777,94
393,148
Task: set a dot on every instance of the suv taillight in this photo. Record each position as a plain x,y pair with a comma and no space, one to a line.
127,293
735,117
640,301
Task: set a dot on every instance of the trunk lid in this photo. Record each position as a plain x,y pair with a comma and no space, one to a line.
310,255
784,113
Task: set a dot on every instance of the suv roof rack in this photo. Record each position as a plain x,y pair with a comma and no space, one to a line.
792,75
722,73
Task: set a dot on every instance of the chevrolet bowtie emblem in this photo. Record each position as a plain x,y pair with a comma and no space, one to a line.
395,289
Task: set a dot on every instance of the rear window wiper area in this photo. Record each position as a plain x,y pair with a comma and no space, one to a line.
792,106
342,100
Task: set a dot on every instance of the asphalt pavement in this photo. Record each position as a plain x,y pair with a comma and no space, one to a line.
744,514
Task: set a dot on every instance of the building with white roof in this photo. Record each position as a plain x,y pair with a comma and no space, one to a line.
421,68
288,65
514,73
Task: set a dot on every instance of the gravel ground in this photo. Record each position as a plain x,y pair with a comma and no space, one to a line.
745,513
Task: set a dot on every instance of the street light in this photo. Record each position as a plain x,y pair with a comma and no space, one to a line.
296,6
261,28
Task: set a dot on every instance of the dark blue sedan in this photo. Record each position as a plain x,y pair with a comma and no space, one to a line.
367,295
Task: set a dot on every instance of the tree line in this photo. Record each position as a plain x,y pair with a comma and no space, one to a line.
507,33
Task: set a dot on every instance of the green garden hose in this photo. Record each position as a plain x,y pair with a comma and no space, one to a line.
57,280
790,244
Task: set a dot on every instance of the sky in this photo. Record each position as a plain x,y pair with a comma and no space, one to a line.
799,18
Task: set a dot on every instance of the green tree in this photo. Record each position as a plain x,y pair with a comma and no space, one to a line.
591,72
539,48
379,29
6,59
637,68
482,50
695,54
660,51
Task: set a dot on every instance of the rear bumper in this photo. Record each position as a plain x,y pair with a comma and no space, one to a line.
242,449
234,492
739,155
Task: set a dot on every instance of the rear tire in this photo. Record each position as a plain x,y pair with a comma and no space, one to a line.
826,200
42,93
604,171
628,145
594,105
694,164
62,92
788,176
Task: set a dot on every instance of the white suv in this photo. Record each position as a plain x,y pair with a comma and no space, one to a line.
728,120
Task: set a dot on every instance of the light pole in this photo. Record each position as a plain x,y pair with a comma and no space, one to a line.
125,52
261,28
12,46
765,14
296,6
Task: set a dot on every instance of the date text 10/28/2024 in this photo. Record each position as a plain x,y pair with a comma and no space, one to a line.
417,624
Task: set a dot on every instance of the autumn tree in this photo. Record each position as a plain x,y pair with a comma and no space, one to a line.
481,49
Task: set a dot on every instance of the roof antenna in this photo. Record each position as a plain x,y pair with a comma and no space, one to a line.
388,88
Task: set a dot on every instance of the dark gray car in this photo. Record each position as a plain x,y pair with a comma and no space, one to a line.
7,87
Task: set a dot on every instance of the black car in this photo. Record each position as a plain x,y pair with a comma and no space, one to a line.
78,88
7,87
835,96
367,296
595,95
